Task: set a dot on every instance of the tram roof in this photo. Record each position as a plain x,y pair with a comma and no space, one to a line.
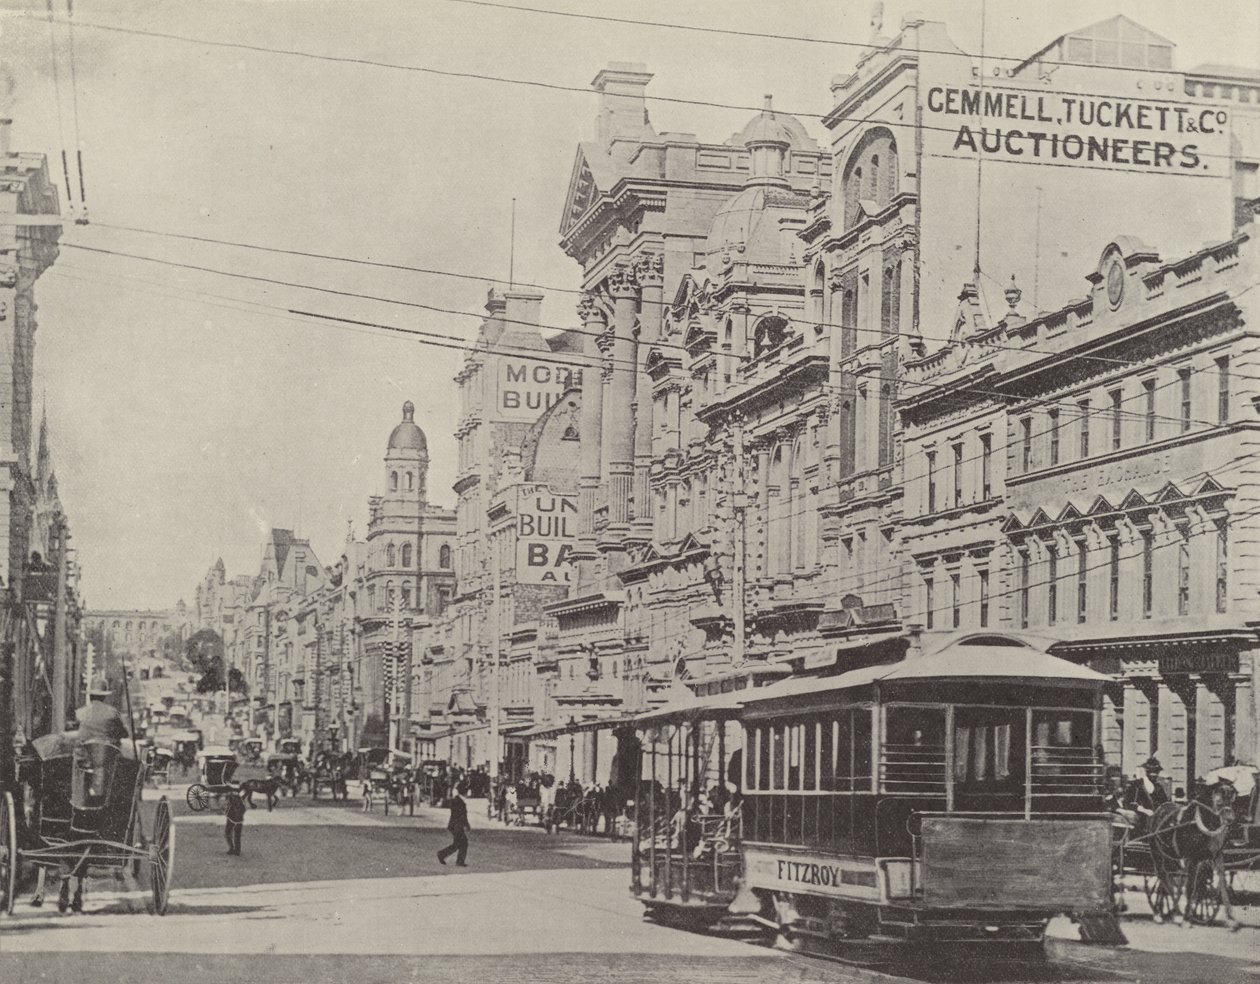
713,707
996,658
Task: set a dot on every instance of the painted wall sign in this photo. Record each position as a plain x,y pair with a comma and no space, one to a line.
524,388
1199,662
1068,128
546,532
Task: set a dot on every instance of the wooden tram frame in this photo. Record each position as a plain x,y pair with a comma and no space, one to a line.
939,880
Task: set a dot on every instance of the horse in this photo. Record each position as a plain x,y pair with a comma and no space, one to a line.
269,787
1192,834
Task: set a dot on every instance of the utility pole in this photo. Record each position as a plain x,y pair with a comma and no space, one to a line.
496,631
739,504
61,655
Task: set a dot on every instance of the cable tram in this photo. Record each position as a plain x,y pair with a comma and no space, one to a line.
946,798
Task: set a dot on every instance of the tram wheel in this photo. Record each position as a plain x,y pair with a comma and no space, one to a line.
1203,895
8,854
162,857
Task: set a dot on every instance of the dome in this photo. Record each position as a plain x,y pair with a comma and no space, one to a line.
407,436
771,127
749,223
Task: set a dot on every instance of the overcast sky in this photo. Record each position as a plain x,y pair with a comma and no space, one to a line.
186,420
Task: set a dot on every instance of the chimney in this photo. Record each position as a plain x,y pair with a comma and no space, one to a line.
524,308
622,102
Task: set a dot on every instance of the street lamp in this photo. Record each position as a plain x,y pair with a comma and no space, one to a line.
572,743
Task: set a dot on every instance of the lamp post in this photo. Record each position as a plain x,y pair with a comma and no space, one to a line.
572,745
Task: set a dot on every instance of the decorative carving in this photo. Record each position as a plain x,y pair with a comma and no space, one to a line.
587,309
649,268
622,283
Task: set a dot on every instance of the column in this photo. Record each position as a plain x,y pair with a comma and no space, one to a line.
1113,715
618,424
1136,747
650,271
1174,720
1209,726
590,432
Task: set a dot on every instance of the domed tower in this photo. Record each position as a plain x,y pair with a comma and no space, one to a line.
407,458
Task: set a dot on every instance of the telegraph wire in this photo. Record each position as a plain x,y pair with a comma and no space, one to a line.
56,74
530,83
668,306
74,92
470,346
869,46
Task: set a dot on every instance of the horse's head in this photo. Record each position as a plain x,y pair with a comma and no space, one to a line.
1223,796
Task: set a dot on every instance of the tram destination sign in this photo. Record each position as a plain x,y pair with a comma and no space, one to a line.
811,874
1072,128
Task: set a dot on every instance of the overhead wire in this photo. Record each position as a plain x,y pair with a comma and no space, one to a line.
74,93
541,84
56,74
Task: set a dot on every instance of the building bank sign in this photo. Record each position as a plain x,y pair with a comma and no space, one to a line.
1069,128
527,387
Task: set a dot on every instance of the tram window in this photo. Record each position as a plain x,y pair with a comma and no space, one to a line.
1063,729
914,750
828,731
988,746
777,741
763,757
811,755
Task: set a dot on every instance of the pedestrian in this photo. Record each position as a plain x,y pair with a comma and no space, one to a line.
235,822
458,826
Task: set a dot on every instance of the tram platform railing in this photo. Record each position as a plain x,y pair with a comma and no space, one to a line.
697,868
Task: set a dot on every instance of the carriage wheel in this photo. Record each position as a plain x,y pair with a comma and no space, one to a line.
1158,896
141,845
162,857
8,854
1204,892
198,798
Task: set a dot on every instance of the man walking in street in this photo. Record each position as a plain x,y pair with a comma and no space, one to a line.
458,826
235,815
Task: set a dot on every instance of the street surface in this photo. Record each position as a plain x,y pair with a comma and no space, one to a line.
324,892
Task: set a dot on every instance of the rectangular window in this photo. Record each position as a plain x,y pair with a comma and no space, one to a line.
1184,376
1052,586
984,599
1148,573
929,600
1054,437
1222,565
1083,407
1183,573
1026,443
958,470
1023,590
931,481
1082,580
986,464
1148,389
1114,580
955,589
1117,420
1222,390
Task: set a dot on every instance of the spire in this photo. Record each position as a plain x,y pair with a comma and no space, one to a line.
43,460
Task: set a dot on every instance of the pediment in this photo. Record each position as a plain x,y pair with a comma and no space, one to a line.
1100,506
583,192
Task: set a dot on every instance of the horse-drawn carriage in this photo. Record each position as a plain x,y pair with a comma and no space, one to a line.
379,782
185,745
329,773
1188,853
217,765
250,750
81,810
159,764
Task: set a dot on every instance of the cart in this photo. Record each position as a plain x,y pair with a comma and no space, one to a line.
373,769
251,750
81,811
217,766
159,768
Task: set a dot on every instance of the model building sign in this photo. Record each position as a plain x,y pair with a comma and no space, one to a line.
527,387
1079,129
546,532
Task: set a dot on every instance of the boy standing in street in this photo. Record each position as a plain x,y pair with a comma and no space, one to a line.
235,821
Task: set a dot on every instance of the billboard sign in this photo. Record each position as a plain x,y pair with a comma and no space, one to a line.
1078,129
525,387
546,533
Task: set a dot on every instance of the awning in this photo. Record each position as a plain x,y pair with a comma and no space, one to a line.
715,707
987,657
575,727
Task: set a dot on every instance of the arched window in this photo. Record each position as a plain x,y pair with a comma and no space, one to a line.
389,594
393,481
870,174
406,597
444,557
817,294
406,555
410,481
771,332
390,556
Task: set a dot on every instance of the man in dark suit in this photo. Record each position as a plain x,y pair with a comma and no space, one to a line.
458,826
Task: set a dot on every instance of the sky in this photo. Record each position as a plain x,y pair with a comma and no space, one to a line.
189,413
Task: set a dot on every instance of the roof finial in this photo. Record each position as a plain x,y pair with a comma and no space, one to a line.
409,410
1013,293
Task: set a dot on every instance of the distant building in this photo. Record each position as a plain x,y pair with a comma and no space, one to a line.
139,632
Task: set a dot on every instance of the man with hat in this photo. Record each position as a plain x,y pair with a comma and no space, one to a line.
1145,792
99,721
